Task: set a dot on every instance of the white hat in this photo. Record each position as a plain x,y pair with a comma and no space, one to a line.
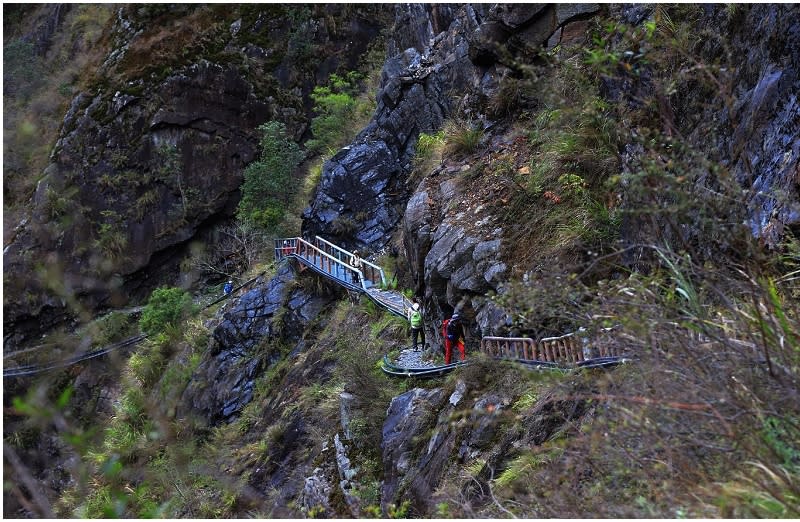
415,306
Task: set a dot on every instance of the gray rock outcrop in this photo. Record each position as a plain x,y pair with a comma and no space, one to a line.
422,433
409,417
763,146
241,346
363,188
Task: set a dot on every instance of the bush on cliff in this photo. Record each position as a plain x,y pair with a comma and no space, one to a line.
335,106
165,308
268,190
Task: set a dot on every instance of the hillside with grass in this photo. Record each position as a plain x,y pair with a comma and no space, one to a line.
625,173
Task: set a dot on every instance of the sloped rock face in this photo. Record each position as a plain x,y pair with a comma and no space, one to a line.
223,383
363,188
746,118
452,241
409,416
763,147
131,198
424,430
512,31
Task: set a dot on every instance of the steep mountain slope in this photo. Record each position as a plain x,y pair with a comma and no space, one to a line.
151,150
590,173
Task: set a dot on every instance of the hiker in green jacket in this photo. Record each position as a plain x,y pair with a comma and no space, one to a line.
415,318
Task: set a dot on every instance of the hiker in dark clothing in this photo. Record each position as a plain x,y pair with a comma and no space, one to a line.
453,332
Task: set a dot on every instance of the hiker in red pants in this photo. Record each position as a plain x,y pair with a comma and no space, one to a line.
453,332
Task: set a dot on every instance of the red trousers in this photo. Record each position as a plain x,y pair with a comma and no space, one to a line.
448,349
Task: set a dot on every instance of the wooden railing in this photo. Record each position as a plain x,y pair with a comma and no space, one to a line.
332,260
569,348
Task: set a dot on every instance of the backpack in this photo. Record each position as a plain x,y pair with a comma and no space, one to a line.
453,329
416,319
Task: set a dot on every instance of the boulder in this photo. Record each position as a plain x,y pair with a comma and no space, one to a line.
408,418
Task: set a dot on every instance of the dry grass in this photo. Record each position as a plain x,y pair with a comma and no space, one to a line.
168,41
705,422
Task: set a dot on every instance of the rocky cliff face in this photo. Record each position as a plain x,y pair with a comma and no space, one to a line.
450,228
277,312
364,192
363,189
738,104
760,141
151,154
457,247
450,233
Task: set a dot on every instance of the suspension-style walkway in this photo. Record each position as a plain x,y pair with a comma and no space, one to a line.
563,353
333,262
566,352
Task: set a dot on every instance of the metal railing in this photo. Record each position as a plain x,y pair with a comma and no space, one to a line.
331,260
370,271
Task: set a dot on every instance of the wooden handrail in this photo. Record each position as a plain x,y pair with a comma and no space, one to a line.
564,348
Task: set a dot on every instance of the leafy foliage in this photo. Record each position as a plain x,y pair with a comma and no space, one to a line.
335,105
268,186
165,308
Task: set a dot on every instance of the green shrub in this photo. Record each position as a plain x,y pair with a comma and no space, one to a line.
427,144
111,328
112,240
166,307
335,105
147,364
268,188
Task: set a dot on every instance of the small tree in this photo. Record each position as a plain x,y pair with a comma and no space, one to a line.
165,308
268,189
335,106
